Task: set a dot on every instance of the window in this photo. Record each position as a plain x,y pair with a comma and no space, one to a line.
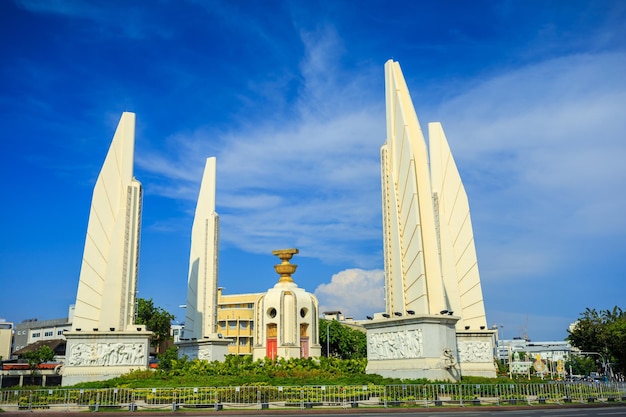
48,334
222,324
59,332
243,324
232,324
36,334
243,341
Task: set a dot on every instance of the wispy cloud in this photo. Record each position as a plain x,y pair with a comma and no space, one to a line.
542,148
533,146
312,181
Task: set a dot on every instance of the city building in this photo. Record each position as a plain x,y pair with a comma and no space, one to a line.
235,320
6,339
176,330
549,350
31,331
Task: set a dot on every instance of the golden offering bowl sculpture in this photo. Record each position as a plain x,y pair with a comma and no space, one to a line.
285,269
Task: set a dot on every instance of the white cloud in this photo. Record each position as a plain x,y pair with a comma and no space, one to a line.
541,151
313,181
356,293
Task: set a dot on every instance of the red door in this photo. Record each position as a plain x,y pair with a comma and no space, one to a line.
272,348
304,347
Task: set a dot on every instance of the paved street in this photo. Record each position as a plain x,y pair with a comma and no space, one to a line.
576,410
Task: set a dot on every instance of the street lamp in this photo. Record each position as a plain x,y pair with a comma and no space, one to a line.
500,333
605,364
327,339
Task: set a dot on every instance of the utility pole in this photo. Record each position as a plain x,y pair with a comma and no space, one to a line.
327,339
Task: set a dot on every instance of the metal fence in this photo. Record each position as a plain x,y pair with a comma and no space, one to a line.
263,397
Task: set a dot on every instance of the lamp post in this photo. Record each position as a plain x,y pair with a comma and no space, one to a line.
500,333
605,364
327,339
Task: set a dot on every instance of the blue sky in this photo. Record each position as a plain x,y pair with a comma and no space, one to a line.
289,96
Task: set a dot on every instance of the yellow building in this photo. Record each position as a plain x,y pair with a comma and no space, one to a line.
235,320
6,337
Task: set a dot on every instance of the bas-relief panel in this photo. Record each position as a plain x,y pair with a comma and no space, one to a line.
107,354
205,355
196,353
472,352
395,345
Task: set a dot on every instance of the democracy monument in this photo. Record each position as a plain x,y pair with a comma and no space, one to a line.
104,341
434,324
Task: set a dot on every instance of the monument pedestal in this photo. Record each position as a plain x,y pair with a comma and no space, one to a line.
98,356
413,347
210,348
475,349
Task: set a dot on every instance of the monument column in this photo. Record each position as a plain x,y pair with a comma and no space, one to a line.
104,341
434,308
200,338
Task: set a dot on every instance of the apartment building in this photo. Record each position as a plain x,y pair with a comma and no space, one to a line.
235,320
30,331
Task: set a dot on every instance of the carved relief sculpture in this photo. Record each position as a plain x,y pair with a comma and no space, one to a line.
395,345
474,352
107,354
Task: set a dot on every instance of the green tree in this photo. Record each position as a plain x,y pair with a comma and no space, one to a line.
166,358
343,341
581,365
39,356
603,332
156,319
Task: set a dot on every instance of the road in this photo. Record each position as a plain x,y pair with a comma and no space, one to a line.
597,410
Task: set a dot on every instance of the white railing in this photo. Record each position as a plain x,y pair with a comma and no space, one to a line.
263,397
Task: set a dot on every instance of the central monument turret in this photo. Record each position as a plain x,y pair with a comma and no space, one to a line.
287,317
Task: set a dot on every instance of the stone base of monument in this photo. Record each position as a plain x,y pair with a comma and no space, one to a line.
211,348
475,352
411,347
98,355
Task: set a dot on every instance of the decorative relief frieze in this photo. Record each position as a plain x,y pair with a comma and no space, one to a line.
107,354
395,345
474,352
205,355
